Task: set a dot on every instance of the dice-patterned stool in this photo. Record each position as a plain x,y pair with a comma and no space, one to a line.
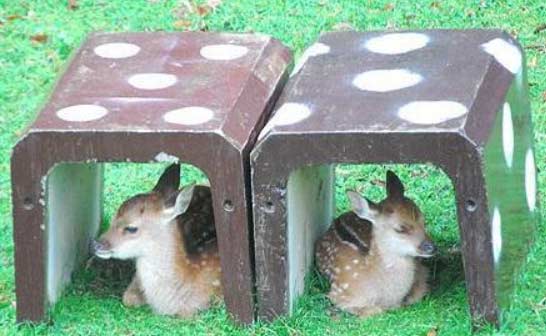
198,98
456,99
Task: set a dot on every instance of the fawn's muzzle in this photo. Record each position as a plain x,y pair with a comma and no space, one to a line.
100,245
427,247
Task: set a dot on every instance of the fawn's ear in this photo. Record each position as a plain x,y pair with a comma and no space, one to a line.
169,181
362,207
181,204
395,188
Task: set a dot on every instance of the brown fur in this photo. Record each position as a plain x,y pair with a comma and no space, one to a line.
373,267
175,248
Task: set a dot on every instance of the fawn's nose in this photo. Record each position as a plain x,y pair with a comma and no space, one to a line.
427,247
99,245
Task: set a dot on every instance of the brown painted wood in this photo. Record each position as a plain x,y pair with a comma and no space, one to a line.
238,90
346,124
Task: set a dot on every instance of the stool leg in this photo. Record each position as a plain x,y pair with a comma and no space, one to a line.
476,246
54,218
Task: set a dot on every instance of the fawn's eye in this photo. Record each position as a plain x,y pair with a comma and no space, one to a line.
403,229
130,229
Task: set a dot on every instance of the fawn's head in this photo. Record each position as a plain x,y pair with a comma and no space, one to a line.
144,219
398,224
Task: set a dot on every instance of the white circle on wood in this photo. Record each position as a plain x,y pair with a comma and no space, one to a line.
287,114
191,115
507,54
117,50
530,179
397,43
152,81
428,112
507,134
291,113
314,50
223,52
496,234
82,113
386,80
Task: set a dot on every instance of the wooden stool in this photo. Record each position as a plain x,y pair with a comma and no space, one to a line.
199,98
457,99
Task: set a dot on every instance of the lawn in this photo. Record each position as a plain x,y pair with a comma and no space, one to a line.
36,39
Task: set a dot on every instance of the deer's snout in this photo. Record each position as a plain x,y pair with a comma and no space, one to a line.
427,247
100,247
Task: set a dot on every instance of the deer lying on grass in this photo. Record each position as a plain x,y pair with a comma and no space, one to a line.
369,254
170,233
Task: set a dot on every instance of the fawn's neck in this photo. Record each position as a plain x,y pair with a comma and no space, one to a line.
161,263
388,260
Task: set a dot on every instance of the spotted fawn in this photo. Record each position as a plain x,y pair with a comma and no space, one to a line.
370,255
170,234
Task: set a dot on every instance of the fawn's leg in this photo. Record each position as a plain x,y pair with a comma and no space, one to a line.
366,311
133,296
420,286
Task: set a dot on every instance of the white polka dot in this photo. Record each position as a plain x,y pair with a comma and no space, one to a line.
192,115
82,112
314,50
507,134
530,180
291,113
397,43
223,52
386,80
507,54
152,81
496,234
431,112
117,50
287,114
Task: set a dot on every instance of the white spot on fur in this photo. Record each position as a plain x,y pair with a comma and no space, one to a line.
314,50
192,115
345,285
223,52
287,114
347,268
356,261
507,134
152,81
117,50
507,54
386,80
355,275
431,112
82,113
336,270
216,283
530,180
164,157
496,234
397,43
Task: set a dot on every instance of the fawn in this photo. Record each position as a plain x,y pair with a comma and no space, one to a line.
171,235
370,255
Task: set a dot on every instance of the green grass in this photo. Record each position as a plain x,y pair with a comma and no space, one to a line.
92,303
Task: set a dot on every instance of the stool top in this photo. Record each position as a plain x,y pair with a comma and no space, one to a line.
151,82
426,81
